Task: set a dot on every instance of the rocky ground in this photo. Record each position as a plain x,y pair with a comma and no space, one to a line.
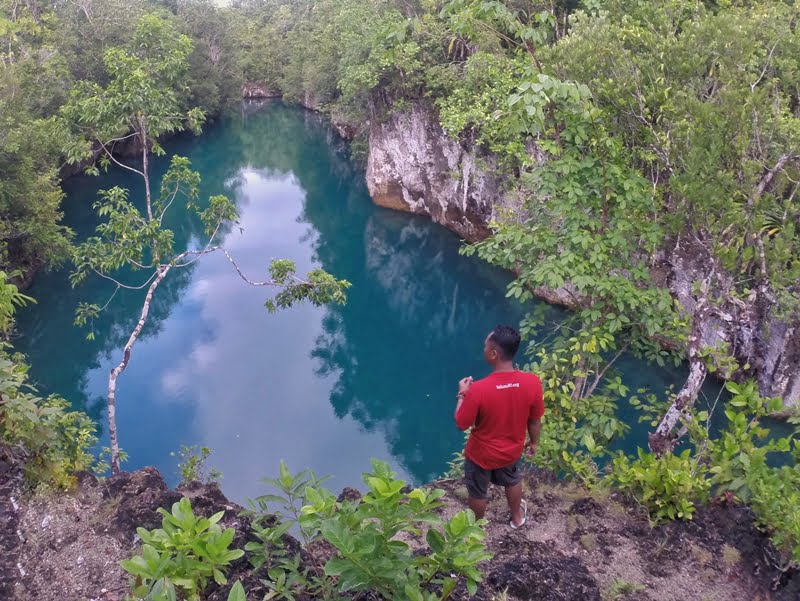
577,546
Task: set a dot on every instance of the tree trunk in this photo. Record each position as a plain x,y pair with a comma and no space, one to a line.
146,175
161,271
665,438
668,433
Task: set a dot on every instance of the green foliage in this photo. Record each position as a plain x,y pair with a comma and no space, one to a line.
11,299
370,555
739,460
738,456
237,592
102,465
43,435
774,499
192,465
455,467
30,80
286,579
474,107
620,589
318,287
291,489
57,54
142,94
668,487
184,554
676,108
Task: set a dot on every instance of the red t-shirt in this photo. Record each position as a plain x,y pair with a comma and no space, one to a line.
499,407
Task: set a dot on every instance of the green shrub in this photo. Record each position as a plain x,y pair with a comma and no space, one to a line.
367,534
738,460
668,487
776,502
370,556
738,456
185,553
42,434
192,465
290,500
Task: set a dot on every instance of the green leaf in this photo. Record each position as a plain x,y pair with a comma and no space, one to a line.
435,540
336,565
338,535
237,592
413,593
219,577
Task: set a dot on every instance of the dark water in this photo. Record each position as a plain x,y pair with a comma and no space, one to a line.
326,388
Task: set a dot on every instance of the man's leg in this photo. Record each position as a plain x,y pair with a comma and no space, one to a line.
514,498
509,477
477,481
478,506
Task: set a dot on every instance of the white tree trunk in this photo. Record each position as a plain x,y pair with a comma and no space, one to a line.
668,433
145,167
162,271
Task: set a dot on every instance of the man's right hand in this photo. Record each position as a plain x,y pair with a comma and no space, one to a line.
464,384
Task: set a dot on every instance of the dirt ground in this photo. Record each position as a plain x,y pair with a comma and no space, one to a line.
577,546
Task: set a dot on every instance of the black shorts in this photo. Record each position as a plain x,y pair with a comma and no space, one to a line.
478,478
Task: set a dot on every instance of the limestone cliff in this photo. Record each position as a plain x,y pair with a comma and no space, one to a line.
768,345
256,89
413,166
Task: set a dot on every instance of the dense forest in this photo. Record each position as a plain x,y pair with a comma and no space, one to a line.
629,134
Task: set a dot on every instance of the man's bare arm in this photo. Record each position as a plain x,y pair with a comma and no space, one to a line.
463,387
534,428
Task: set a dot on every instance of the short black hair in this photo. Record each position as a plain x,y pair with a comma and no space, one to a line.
506,339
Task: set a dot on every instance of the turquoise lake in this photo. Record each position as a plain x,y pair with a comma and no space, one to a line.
326,388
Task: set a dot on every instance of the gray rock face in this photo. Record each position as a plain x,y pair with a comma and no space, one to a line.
414,167
770,346
255,89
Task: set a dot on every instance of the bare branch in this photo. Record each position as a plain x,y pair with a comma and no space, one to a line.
171,200
599,376
766,66
124,166
110,298
765,181
120,284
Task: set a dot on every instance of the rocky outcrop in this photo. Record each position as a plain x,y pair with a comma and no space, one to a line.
769,346
578,546
255,89
413,166
68,545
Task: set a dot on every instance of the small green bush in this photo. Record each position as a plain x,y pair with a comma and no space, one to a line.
185,553
368,536
48,439
192,465
776,502
668,487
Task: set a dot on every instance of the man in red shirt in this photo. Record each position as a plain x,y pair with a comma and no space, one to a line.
502,408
